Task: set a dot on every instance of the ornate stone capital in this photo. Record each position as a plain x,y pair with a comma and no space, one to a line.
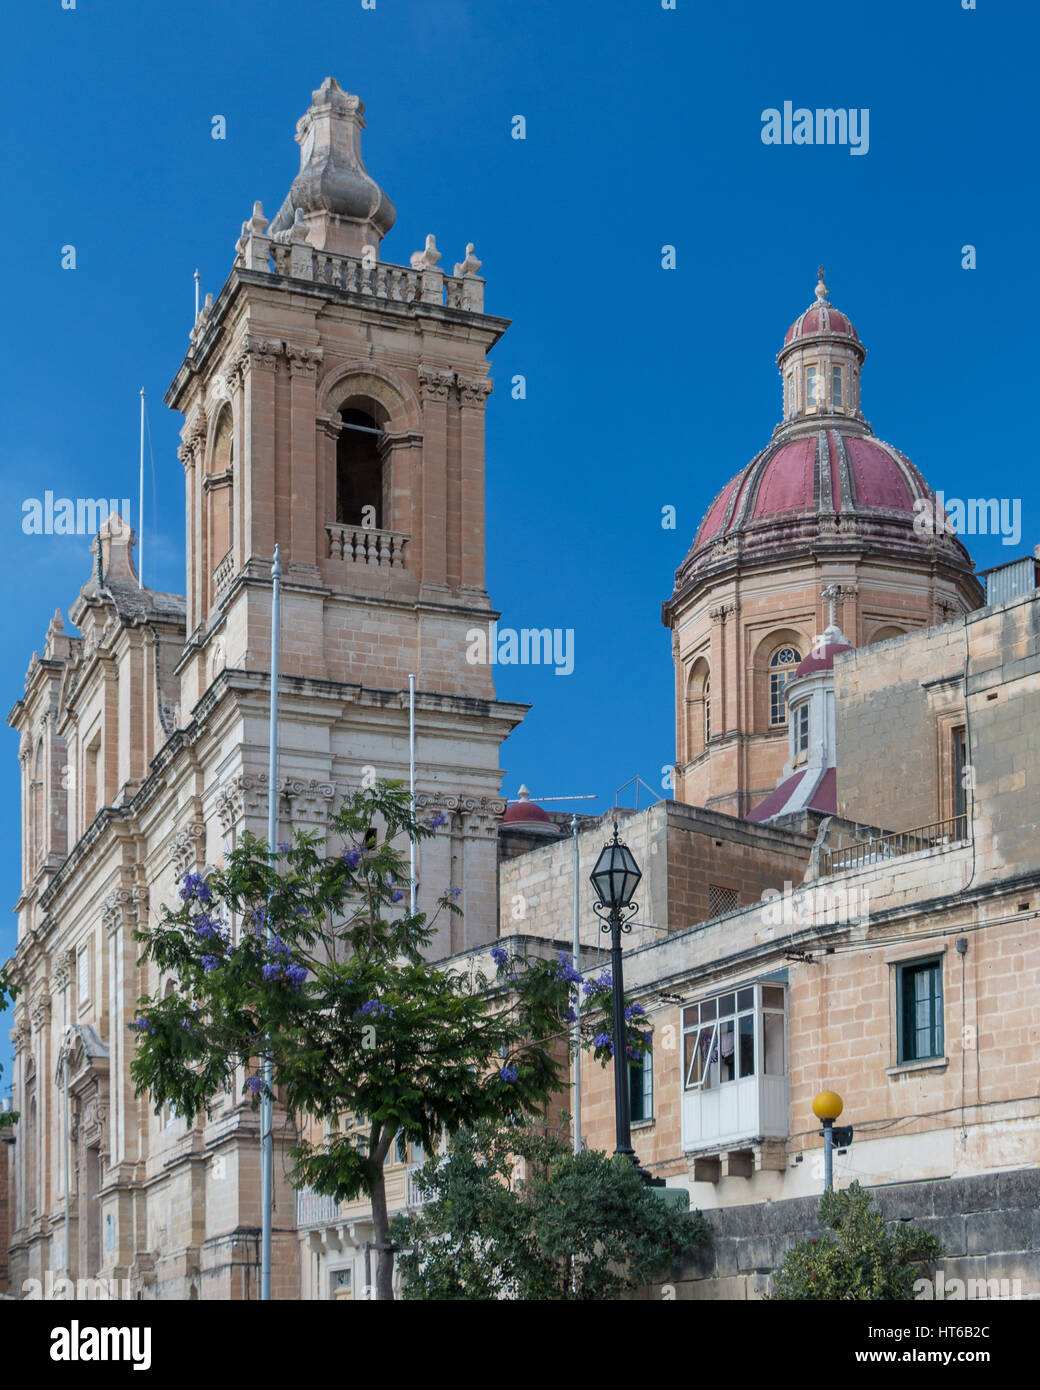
474,815
40,1010
435,384
474,391
186,848
117,906
722,612
256,354
303,361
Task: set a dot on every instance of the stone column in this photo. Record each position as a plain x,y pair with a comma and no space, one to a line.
473,394
435,387
302,553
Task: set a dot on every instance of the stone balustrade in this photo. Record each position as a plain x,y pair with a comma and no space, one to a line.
299,260
366,546
223,574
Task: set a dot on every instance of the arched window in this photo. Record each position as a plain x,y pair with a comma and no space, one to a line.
36,811
220,496
698,708
810,387
782,666
31,1159
836,392
359,471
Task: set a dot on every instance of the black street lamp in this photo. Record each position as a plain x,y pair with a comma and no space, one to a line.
615,878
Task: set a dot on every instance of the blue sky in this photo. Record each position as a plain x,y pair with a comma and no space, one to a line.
645,387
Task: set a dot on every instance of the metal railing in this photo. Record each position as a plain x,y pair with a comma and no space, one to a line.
940,834
312,1209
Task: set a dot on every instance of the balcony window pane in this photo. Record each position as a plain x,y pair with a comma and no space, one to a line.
725,1005
773,1041
772,997
726,1058
745,998
689,1016
746,1038
708,1009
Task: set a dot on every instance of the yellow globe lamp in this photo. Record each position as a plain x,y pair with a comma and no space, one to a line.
828,1105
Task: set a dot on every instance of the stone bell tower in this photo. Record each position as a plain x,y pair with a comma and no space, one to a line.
334,404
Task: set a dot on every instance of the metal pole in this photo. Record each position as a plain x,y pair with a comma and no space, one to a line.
68,1224
196,296
140,513
266,1104
828,1155
577,1008
411,781
622,1117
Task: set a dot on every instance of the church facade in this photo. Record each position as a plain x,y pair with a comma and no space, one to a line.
334,404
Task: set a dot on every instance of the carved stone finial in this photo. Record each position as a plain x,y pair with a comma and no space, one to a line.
428,257
258,222
470,266
821,289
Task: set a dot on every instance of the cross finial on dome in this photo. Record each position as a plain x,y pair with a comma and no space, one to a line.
821,289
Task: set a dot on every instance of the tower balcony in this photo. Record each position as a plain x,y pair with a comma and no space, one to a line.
366,546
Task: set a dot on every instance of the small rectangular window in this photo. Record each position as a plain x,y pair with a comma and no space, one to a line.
836,386
801,729
920,1011
959,760
641,1088
810,386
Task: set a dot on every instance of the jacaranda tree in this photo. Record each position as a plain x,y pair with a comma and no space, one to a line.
315,961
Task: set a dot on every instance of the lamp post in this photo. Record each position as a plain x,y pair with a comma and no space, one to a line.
615,878
827,1106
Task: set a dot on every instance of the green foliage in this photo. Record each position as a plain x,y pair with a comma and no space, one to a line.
326,975
8,994
867,1260
580,1226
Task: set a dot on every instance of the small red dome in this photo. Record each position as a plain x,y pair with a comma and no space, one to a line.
521,811
820,658
821,318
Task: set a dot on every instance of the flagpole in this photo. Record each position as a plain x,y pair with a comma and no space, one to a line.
266,1104
196,296
140,514
411,777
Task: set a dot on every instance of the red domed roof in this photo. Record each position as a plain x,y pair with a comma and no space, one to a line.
826,471
821,318
521,811
820,658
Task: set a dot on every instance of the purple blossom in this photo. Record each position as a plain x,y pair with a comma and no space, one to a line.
278,947
142,1025
439,819
603,1040
398,895
634,1011
284,846
509,1075
565,970
372,1008
352,857
257,919
498,955
205,927
210,963
570,1016
195,886
272,972
254,1084
453,893
296,974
